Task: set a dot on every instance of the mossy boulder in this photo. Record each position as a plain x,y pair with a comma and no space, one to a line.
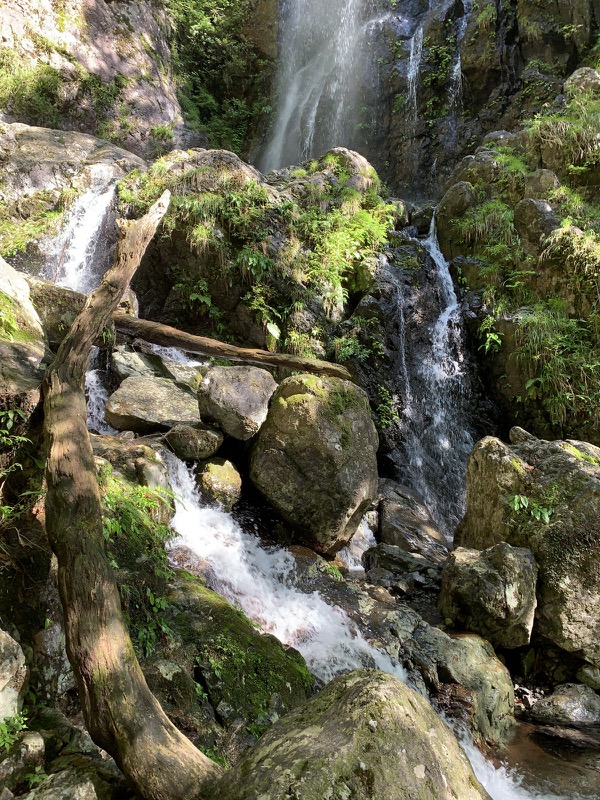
220,482
57,307
491,593
314,459
544,496
229,681
194,442
365,735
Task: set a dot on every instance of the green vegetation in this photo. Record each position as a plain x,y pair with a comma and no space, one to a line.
223,81
283,253
135,539
554,296
11,729
523,504
34,217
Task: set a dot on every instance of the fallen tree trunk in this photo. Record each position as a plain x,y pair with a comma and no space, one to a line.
120,712
172,337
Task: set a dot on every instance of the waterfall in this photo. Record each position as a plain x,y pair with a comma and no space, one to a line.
435,387
81,254
412,75
326,76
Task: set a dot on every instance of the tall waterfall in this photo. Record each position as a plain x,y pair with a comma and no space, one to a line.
326,78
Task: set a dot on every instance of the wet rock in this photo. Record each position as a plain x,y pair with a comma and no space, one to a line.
491,593
545,496
590,676
570,704
314,460
436,659
13,676
398,562
132,364
50,655
365,735
219,677
194,442
145,404
454,204
406,522
236,398
220,482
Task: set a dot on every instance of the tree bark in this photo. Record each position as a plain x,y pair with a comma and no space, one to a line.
171,337
120,712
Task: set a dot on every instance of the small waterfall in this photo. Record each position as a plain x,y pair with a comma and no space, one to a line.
455,90
81,254
262,584
412,75
351,555
435,387
326,75
97,395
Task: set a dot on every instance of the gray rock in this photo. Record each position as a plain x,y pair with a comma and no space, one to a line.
132,364
534,221
237,398
540,182
590,676
49,651
315,461
220,482
366,735
559,521
70,784
582,81
570,704
57,307
13,676
491,593
396,560
148,404
406,522
194,442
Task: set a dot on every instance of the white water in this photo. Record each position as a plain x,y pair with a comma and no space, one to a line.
362,540
262,583
79,256
437,391
412,77
324,66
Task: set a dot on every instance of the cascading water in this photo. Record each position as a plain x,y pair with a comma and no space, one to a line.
327,75
435,387
262,583
81,254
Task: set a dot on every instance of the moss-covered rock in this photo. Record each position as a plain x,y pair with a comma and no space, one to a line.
314,459
148,404
544,496
365,735
220,482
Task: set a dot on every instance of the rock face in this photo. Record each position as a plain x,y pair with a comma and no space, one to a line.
314,460
544,496
13,674
366,735
236,398
144,405
194,442
89,44
491,593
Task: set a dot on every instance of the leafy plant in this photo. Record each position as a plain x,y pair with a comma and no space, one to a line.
11,729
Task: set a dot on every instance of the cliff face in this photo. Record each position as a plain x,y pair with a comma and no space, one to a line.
93,66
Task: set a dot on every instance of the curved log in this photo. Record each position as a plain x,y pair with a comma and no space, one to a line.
172,337
120,712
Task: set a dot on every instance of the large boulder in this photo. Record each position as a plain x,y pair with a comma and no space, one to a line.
220,482
13,676
144,404
315,461
491,593
570,704
544,496
366,735
194,442
237,398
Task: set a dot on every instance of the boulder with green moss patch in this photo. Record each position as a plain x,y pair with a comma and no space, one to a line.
314,460
544,496
366,735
